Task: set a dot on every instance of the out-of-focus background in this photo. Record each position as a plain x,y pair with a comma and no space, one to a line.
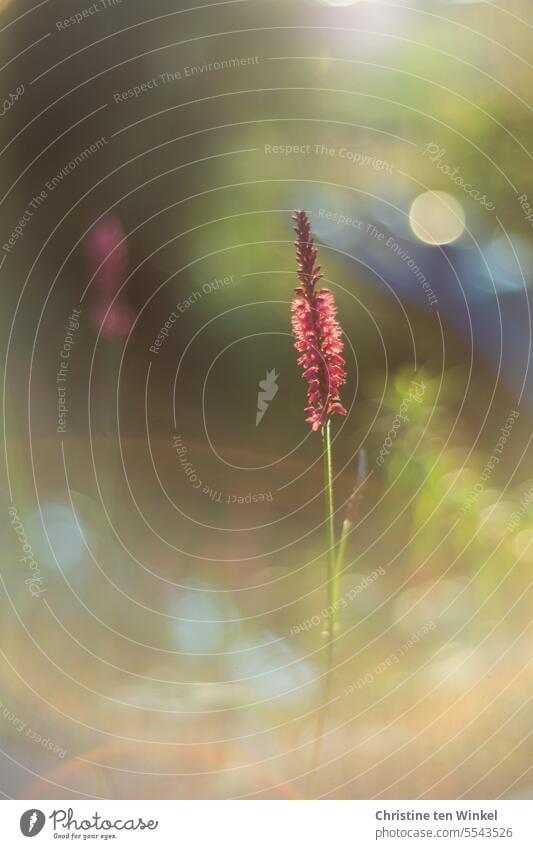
163,547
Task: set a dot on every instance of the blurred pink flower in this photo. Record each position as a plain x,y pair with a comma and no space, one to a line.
108,256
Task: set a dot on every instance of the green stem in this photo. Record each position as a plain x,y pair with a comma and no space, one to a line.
330,541
330,519
339,564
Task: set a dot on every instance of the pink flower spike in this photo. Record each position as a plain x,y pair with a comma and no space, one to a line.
317,332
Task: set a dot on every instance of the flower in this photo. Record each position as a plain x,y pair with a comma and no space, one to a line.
317,332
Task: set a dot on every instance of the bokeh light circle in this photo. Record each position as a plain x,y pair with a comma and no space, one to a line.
437,218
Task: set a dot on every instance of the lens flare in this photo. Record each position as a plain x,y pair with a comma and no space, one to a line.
437,218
